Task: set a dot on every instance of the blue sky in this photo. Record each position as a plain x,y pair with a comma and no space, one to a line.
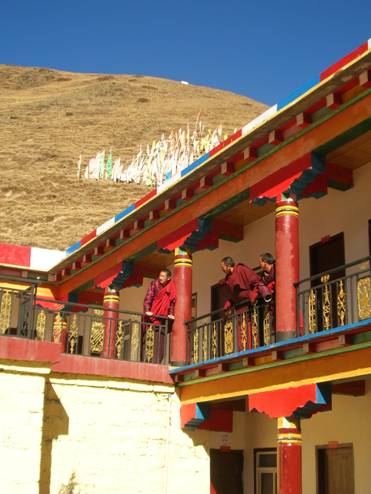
260,49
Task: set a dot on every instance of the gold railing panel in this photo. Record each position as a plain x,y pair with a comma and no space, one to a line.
57,327
150,344
267,328
40,325
341,303
134,341
326,304
73,334
97,333
119,338
204,343
244,332
312,312
195,345
5,311
364,297
254,327
214,341
228,337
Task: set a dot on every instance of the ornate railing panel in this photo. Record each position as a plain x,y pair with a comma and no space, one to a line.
217,334
327,301
84,329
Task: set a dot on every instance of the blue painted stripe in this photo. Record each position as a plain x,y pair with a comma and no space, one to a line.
195,164
274,346
124,213
298,92
73,247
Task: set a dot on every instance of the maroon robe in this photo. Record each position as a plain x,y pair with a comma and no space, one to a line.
243,284
160,299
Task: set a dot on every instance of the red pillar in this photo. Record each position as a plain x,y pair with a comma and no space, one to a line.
289,456
287,267
111,300
183,306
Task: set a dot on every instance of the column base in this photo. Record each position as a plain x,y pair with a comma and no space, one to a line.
178,363
285,335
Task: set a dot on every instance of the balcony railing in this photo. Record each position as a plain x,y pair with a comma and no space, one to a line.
84,329
217,334
339,297
335,298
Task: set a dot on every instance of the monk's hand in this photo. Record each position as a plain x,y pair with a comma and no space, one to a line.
149,313
170,316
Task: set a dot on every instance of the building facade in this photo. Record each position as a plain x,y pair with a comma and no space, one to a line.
271,397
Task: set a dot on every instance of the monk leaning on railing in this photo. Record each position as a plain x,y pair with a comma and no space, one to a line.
159,304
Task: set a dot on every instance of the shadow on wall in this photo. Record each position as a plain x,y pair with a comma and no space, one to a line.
70,487
55,424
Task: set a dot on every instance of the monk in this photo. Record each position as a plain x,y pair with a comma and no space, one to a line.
267,264
242,282
159,304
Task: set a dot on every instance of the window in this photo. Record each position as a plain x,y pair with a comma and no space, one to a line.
265,461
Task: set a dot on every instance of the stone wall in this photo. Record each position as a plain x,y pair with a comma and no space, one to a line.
66,434
21,418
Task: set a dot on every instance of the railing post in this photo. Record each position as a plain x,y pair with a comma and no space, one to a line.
287,267
111,300
183,306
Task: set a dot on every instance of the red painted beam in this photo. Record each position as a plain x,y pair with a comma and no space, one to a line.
227,231
339,177
353,388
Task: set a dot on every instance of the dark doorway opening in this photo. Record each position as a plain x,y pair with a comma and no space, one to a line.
226,468
327,255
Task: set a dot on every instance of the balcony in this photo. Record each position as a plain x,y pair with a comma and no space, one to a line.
331,303
84,329
338,301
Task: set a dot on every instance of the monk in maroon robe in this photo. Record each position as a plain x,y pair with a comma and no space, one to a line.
242,282
159,305
268,267
242,287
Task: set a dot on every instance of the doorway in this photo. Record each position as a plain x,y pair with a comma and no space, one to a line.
324,256
226,468
327,254
335,469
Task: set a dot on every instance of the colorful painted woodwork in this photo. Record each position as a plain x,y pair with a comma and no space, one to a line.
289,455
287,267
182,275
111,303
301,401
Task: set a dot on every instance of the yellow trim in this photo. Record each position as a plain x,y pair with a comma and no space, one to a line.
299,443
287,208
287,423
182,263
15,286
289,435
111,298
287,213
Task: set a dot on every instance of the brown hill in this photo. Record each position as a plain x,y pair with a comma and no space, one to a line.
48,117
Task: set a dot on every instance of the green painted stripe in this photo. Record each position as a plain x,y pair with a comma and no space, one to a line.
347,136
303,358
